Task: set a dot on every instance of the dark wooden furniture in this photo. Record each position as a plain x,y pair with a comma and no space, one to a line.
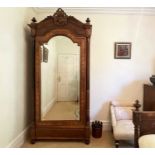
149,98
144,123
60,24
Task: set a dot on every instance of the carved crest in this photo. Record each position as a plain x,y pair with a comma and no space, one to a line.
60,17
60,20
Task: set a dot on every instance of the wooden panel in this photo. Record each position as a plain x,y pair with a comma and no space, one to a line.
144,123
149,98
64,133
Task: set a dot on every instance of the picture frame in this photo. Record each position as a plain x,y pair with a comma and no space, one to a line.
122,50
45,54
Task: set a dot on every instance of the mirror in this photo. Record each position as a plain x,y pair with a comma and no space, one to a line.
60,79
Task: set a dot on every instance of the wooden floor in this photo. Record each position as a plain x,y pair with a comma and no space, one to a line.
106,141
63,111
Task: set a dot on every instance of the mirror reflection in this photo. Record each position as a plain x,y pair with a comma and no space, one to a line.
60,79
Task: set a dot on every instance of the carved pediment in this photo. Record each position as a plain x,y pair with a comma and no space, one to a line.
60,20
60,17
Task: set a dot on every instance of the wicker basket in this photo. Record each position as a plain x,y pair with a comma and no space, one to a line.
97,129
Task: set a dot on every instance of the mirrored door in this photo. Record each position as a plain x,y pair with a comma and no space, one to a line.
60,79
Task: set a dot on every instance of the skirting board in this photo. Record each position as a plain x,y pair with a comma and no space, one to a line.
20,139
48,107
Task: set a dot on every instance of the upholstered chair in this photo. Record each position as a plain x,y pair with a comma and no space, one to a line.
147,141
121,118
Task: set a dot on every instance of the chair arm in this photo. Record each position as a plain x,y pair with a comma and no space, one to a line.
113,117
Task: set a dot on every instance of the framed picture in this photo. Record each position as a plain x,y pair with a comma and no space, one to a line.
45,54
122,50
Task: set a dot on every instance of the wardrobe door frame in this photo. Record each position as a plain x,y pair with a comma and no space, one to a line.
62,25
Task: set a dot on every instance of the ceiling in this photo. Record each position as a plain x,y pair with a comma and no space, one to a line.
118,10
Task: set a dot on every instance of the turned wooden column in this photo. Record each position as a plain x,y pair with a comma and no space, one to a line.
136,123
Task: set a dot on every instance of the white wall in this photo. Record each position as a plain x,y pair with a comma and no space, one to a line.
64,45
115,78
16,69
111,78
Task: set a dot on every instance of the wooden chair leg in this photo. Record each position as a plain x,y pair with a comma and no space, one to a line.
116,143
33,141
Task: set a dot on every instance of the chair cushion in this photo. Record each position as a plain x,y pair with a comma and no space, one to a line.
147,141
124,130
123,113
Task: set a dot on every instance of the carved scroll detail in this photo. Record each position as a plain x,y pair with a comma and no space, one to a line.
60,17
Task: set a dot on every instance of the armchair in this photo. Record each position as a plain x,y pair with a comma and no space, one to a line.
121,118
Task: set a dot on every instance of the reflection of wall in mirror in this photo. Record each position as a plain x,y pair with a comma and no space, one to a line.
65,46
48,79
45,53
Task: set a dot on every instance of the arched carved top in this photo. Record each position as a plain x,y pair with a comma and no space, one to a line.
63,32
60,20
60,17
